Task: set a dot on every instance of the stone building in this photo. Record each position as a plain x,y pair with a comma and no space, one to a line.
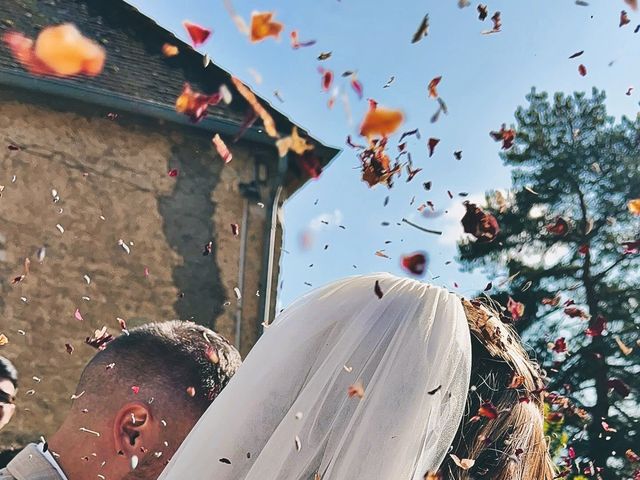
86,196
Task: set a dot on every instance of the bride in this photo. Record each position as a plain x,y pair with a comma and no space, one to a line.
375,377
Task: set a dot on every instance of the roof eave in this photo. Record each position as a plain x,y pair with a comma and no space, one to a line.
123,103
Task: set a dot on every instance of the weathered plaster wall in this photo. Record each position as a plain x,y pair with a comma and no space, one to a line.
111,177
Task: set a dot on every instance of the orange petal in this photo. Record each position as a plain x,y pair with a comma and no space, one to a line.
433,84
61,48
94,59
267,120
262,26
381,122
169,50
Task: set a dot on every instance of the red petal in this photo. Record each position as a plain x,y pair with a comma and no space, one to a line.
198,34
432,145
415,263
327,79
597,327
357,87
488,410
309,164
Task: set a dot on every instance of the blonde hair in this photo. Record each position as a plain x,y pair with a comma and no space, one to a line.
511,446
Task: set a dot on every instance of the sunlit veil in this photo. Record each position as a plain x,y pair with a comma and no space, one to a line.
343,385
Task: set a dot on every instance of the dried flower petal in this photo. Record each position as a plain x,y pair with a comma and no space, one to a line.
377,290
505,135
380,121
296,43
596,327
560,345
422,31
59,50
483,12
515,308
262,26
575,312
357,87
480,224
464,463
221,148
195,104
624,19
634,206
327,79
621,345
169,50
488,410
356,390
269,124
293,142
415,263
197,33
619,387
433,84
100,339
432,145
559,227
309,164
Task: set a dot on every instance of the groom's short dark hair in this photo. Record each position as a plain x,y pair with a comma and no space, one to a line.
178,363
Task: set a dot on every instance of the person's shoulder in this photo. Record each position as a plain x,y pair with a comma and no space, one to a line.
5,475
30,463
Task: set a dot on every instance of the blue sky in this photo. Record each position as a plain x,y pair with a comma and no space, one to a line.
485,77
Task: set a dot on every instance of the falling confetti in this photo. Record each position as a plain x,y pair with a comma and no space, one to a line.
197,33
422,31
169,50
221,148
59,50
263,26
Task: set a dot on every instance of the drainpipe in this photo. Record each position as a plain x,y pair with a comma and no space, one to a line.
243,253
271,244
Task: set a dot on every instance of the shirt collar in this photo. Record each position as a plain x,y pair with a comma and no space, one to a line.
47,455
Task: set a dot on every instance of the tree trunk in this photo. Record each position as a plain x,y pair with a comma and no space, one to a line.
599,450
598,447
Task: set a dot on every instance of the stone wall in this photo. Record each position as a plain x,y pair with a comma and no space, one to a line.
112,182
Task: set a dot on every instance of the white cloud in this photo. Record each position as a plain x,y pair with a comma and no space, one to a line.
326,220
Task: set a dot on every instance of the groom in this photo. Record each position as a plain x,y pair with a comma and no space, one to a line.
135,403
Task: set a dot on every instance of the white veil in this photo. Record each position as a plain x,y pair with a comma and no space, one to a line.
286,414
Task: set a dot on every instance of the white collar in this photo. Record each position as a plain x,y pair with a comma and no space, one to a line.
47,454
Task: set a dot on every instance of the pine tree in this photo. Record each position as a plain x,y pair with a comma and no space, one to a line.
568,246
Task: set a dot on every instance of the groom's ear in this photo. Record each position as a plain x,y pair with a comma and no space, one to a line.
133,429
